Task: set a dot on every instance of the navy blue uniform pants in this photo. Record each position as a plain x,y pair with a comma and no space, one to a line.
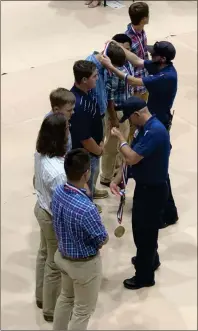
148,205
170,214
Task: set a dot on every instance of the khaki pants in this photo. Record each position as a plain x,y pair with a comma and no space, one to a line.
80,286
143,96
48,277
98,169
112,158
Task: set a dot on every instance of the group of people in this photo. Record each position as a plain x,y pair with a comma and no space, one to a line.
119,111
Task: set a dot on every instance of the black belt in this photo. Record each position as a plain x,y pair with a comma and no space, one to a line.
82,259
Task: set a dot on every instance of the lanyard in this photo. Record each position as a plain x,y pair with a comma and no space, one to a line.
141,44
122,193
74,189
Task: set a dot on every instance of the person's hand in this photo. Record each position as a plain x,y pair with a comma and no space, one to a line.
115,189
102,147
106,62
116,133
114,122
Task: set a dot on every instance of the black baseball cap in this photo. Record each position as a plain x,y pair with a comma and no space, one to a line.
163,48
130,106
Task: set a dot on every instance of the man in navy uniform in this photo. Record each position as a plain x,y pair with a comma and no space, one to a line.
161,84
147,160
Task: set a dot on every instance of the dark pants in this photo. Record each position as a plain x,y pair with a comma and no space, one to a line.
148,206
170,214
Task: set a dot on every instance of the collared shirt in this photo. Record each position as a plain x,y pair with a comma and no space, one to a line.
100,90
77,223
117,89
69,141
162,88
152,142
49,172
86,122
139,47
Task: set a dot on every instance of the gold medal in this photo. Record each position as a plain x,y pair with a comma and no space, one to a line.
119,231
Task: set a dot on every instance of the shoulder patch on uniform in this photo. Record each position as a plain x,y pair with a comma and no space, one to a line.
135,133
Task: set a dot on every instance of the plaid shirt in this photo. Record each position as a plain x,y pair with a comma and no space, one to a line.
77,223
117,89
137,48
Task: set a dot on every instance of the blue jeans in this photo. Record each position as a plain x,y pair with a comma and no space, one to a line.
95,162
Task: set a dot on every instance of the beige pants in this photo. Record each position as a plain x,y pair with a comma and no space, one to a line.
80,286
48,276
98,170
111,158
143,96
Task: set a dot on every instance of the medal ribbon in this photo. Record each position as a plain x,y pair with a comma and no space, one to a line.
122,193
140,43
74,189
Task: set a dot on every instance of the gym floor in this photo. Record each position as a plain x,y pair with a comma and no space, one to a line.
40,42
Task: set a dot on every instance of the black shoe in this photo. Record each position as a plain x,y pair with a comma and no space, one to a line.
156,266
48,318
131,284
164,225
107,184
39,304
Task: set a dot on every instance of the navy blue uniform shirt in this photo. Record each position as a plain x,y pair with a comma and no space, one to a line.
153,143
86,122
162,88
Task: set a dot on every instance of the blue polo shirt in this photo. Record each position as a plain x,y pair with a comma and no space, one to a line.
162,88
153,143
86,122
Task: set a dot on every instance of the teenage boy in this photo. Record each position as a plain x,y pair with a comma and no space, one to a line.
139,16
118,91
86,122
81,235
63,101
100,91
162,87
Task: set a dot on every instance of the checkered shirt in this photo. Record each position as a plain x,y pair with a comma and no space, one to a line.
137,49
77,223
117,89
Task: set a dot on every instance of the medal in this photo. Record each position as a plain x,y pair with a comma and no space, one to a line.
119,231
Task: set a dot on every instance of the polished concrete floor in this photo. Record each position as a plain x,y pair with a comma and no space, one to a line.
40,42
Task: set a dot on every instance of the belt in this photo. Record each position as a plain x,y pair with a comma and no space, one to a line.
82,259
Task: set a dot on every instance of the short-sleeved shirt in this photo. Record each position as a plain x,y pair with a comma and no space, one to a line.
117,89
86,122
138,47
77,223
100,89
162,88
152,142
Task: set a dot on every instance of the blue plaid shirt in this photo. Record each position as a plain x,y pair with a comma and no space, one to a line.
77,223
117,89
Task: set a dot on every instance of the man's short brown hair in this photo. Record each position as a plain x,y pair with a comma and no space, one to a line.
60,97
83,69
138,11
116,55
